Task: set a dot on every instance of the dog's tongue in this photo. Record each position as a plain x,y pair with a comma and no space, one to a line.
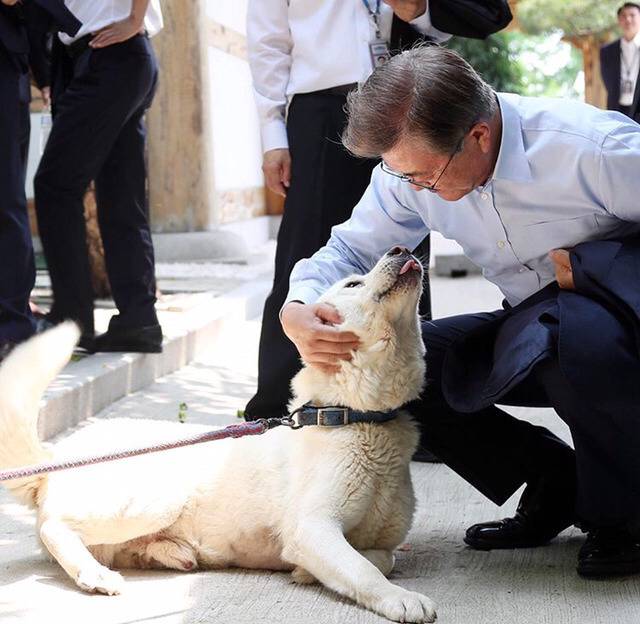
408,265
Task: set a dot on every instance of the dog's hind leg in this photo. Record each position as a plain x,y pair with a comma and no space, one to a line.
320,548
68,549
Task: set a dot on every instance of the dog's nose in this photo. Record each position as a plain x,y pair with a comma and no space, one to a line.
398,251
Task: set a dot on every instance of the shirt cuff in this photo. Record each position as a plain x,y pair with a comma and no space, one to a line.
274,135
302,294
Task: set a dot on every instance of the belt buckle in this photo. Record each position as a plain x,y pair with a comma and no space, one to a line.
322,418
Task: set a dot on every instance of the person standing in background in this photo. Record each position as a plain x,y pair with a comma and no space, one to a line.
309,55
620,63
17,267
104,84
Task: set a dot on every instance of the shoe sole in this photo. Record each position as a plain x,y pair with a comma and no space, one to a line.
128,349
482,545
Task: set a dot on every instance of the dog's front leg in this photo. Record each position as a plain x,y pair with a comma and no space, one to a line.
67,548
320,547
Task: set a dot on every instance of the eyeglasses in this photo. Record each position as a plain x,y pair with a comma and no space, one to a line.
411,180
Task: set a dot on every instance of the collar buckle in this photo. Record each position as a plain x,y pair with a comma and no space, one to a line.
322,418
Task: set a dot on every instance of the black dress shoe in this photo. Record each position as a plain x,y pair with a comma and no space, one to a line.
609,552
146,339
545,510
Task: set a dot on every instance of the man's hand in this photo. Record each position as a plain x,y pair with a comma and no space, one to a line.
117,32
45,92
407,10
276,165
9,2
310,328
562,265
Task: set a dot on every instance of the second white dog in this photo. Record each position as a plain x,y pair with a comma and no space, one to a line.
327,503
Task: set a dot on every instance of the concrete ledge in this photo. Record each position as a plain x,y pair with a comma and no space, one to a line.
87,386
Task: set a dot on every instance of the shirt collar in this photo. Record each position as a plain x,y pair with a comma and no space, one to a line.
512,163
634,42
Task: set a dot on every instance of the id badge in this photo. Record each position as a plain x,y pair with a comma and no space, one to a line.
627,87
379,50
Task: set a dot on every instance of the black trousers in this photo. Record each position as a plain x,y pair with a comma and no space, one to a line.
17,267
98,133
497,452
326,183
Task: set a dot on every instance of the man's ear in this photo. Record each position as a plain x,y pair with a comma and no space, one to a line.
481,132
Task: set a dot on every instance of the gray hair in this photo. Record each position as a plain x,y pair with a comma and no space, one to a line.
429,94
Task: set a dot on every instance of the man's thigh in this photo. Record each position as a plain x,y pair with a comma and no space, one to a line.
438,335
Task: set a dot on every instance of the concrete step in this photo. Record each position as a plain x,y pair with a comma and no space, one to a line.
192,324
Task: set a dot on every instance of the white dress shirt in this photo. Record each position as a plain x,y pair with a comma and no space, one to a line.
299,46
566,173
629,67
96,14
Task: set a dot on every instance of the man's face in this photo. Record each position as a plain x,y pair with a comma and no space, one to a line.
468,168
629,22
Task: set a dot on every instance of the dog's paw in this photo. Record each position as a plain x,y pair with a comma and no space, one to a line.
100,580
302,577
402,605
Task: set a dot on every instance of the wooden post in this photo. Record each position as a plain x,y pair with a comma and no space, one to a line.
594,90
180,156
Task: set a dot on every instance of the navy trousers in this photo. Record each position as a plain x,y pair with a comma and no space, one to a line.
98,133
497,452
17,268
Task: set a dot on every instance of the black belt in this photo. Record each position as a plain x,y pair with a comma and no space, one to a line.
75,49
339,90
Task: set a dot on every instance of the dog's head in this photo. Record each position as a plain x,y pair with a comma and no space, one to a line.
381,307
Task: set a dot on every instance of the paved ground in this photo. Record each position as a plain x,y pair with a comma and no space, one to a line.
520,587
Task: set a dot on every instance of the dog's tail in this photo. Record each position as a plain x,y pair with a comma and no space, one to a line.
24,376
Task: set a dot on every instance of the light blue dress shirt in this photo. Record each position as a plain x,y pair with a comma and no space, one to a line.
566,173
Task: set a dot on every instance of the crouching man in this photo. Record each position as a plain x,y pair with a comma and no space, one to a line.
543,195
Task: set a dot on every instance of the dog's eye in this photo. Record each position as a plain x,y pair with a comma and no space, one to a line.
353,284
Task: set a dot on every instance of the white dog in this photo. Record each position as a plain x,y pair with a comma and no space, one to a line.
327,503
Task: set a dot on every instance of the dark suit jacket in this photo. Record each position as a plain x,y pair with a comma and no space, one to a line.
13,36
594,332
476,19
610,71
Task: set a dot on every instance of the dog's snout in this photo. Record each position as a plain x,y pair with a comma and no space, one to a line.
398,251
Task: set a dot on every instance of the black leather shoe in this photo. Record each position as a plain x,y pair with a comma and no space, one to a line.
545,510
609,552
146,339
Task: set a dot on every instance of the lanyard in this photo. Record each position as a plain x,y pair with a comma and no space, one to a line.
374,15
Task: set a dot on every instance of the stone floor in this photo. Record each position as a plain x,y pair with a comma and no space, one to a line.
518,587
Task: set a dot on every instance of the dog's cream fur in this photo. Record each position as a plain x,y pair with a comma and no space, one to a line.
329,504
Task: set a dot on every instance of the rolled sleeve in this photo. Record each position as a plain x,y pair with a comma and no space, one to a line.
619,180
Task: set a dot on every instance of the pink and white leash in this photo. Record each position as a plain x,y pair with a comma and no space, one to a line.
255,427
